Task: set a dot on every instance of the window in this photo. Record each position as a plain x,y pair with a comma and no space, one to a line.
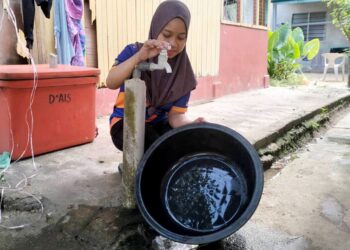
262,12
312,24
248,11
230,10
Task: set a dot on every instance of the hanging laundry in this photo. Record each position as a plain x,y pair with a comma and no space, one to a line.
74,11
28,10
63,44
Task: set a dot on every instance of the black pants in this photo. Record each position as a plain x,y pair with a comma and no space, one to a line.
152,133
28,10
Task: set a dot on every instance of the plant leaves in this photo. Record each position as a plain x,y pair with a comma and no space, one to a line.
298,35
311,48
295,46
284,32
273,40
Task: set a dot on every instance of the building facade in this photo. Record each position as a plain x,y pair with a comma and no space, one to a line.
312,16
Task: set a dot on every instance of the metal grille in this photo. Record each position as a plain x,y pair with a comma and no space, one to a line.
312,24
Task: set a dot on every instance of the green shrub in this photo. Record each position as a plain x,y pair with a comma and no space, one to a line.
286,48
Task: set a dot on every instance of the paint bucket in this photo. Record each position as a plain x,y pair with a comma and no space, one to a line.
199,183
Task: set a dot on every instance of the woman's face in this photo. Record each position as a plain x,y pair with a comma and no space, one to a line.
175,34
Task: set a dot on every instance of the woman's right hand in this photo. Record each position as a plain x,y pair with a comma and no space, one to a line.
119,73
151,48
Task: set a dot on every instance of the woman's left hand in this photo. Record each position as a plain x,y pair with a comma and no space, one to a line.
180,119
200,120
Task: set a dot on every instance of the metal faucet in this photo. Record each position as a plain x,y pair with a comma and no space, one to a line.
162,64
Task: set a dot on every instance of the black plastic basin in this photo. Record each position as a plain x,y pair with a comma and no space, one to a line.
199,183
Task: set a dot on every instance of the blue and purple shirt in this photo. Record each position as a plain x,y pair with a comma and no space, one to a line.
161,112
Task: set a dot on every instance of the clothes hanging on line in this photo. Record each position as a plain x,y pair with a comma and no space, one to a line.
28,11
63,44
69,32
74,11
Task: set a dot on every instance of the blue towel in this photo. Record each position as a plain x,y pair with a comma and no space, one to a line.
64,46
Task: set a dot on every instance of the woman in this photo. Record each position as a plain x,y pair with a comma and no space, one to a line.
167,94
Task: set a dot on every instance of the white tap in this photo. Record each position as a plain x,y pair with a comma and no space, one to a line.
162,64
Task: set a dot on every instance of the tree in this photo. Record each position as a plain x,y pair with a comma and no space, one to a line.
340,13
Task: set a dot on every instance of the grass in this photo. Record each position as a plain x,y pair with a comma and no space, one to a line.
293,80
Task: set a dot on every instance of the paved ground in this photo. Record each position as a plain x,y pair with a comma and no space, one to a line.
87,174
306,205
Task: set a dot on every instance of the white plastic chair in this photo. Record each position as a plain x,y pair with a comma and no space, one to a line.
330,62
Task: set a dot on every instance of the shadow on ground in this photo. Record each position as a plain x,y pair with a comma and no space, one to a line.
92,227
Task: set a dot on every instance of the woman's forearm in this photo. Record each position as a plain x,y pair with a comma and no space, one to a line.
177,120
118,74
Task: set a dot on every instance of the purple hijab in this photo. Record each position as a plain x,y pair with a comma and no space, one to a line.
163,88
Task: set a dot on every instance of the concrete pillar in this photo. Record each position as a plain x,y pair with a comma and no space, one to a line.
134,136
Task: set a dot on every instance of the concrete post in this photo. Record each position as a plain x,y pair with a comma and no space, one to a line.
133,137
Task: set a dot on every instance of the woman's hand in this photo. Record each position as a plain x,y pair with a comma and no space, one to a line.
119,73
151,48
200,120
179,119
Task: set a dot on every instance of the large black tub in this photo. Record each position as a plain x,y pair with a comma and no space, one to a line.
199,183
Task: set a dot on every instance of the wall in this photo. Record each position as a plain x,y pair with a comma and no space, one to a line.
334,37
91,41
242,66
243,63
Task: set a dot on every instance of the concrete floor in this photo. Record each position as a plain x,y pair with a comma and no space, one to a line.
306,205
87,174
